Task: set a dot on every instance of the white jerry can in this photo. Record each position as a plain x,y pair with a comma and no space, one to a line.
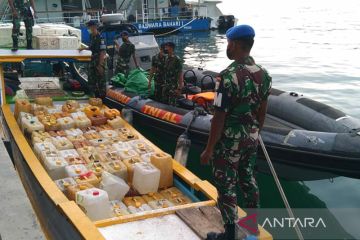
95,203
146,178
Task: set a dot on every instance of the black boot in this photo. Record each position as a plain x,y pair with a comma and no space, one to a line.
29,44
15,46
229,233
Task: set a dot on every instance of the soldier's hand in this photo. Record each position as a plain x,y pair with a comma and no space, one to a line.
205,157
15,14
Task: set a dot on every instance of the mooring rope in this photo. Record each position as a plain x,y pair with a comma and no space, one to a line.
163,34
278,184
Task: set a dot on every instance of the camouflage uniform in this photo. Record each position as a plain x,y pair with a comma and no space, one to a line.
24,13
158,63
240,92
127,49
96,79
173,67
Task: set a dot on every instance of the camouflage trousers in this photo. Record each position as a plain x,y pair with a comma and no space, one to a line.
28,21
122,66
232,170
169,95
97,79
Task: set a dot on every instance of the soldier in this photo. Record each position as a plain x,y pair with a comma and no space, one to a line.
158,69
174,81
126,51
240,108
97,67
22,10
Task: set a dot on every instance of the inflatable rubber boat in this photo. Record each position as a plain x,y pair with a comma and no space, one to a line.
298,131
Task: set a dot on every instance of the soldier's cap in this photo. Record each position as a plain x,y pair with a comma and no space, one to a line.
241,31
92,23
124,33
170,44
162,46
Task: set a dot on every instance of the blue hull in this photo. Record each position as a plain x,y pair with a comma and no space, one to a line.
187,25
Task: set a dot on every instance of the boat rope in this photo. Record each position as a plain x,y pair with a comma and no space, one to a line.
278,184
167,33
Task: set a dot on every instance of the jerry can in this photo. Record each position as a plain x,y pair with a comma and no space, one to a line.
22,105
119,146
91,135
95,203
109,133
116,122
129,163
97,168
30,124
39,148
59,133
115,187
55,166
89,178
110,156
70,106
75,160
77,138
99,141
146,178
75,170
62,143
98,120
40,137
119,208
70,191
105,148
175,196
73,132
117,168
89,154
136,204
24,115
66,123
82,122
69,153
157,201
77,114
96,102
126,154
81,143
50,123
45,101
58,115
111,113
141,147
127,135
103,127
92,111
62,184
164,163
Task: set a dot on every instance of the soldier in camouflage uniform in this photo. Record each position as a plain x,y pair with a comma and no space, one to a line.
174,81
126,51
158,70
22,10
240,108
97,67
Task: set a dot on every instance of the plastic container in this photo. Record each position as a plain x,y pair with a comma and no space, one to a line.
46,101
129,163
146,157
55,167
69,153
23,115
39,148
157,201
82,122
95,203
116,123
175,196
115,187
120,146
99,141
92,111
40,137
70,106
89,154
117,168
146,178
73,132
98,120
89,178
119,208
110,156
76,138
62,184
61,115
127,135
81,144
97,168
90,135
136,205
30,124
105,148
77,114
62,143
111,113
75,170
71,190
59,133
163,162
39,109
22,105
126,154
96,102
109,134
75,160
66,123
50,123
141,147
103,127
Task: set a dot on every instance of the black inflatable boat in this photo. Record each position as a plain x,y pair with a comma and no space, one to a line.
298,131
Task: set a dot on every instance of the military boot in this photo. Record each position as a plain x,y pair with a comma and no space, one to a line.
15,45
229,233
29,44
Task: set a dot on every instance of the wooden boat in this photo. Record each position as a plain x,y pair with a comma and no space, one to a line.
61,218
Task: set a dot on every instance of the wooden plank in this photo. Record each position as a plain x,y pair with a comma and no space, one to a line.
214,215
197,221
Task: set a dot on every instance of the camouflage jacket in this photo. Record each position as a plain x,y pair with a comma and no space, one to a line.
97,44
239,93
173,67
20,4
158,63
127,49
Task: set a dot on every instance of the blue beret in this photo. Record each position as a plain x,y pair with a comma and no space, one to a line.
126,33
240,31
